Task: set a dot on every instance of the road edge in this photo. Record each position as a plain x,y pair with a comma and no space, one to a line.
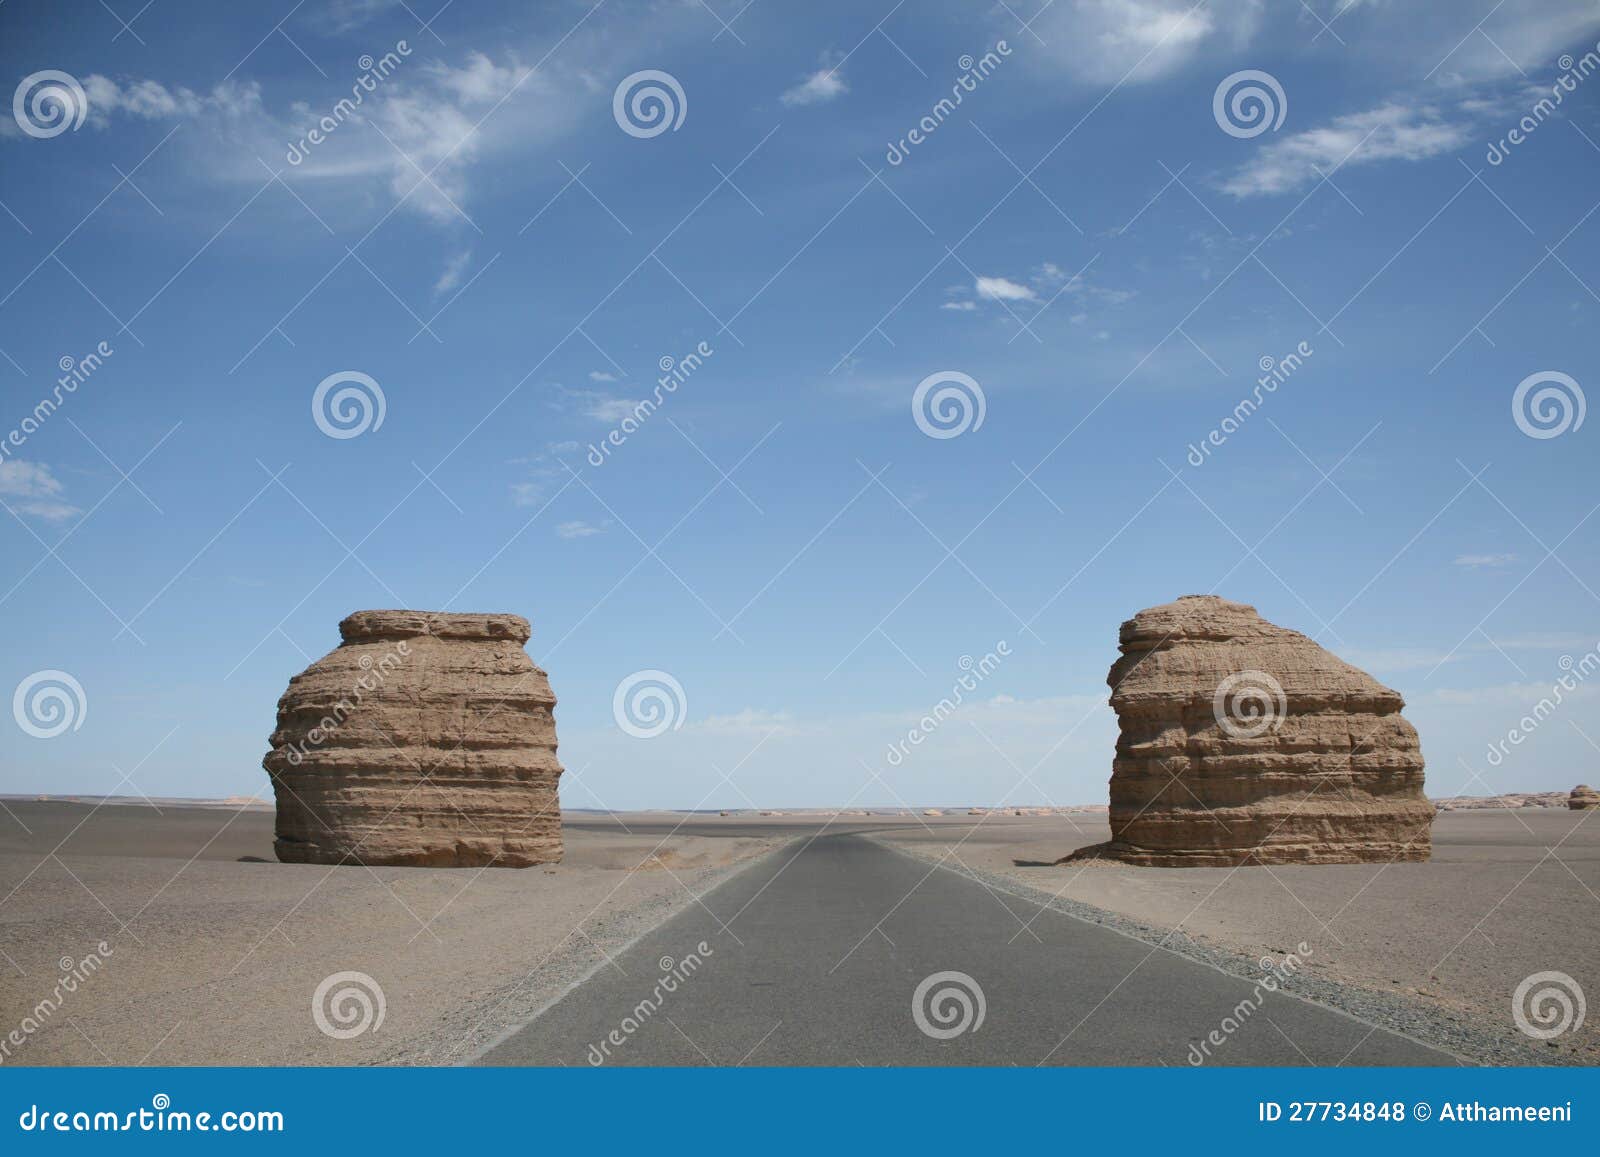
1432,1028
721,878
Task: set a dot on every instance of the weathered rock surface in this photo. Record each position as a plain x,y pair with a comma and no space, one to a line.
1243,742
1583,798
425,739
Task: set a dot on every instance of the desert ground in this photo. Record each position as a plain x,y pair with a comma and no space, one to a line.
216,948
1508,893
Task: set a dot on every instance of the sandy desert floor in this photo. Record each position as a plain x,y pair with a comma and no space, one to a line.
216,948
1507,894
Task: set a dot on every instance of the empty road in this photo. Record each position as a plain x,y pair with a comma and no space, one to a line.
816,953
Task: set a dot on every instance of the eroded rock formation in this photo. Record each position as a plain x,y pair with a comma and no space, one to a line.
424,738
1583,798
1244,742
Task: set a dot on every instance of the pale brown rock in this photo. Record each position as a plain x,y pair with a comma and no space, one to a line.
426,739
1583,798
1327,772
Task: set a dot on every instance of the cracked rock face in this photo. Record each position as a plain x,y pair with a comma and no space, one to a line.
425,739
1583,798
1242,742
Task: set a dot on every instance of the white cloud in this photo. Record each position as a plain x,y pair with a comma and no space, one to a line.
34,490
1104,42
822,85
453,269
147,99
1392,131
1003,289
1480,561
479,81
960,306
610,410
601,376
422,118
580,529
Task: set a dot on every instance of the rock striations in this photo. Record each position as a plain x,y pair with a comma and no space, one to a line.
1583,798
1243,742
425,739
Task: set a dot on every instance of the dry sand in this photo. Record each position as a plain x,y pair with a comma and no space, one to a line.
216,948
1507,894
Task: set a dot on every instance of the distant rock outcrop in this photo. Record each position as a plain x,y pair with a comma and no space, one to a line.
1243,742
425,739
1583,798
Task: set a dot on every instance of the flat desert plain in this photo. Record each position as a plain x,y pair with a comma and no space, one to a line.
216,948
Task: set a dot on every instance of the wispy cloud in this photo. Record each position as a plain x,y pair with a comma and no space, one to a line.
1394,131
1003,289
453,269
1481,561
34,490
577,528
610,410
1105,42
823,85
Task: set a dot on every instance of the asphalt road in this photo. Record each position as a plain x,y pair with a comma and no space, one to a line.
816,956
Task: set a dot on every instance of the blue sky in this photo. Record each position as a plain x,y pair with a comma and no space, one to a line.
1082,237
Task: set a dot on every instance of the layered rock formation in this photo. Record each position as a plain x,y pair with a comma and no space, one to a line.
1583,798
424,738
1244,742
